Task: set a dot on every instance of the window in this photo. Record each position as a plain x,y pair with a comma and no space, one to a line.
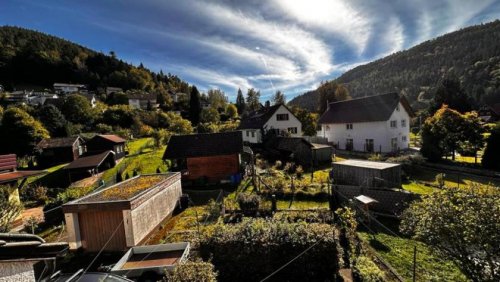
282,117
369,145
394,123
403,123
248,133
403,138
292,130
348,126
349,144
394,144
327,128
253,134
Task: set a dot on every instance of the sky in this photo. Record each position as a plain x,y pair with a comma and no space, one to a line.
287,45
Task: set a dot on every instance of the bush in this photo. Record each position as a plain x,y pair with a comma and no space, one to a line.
255,248
299,171
367,271
192,271
36,194
248,202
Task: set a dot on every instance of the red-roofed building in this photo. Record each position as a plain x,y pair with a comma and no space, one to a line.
107,142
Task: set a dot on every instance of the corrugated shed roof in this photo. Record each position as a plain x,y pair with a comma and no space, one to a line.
204,145
89,161
366,109
57,142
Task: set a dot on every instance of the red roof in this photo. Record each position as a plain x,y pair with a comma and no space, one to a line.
113,138
15,175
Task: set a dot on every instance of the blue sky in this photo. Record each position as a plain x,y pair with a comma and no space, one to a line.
288,45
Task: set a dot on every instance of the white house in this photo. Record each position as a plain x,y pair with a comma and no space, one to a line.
277,118
66,88
142,100
371,124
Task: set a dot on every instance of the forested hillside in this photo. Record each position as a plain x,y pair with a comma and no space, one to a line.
29,57
471,54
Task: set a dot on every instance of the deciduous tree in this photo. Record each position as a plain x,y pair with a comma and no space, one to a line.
209,115
462,224
53,120
331,91
77,109
231,111
279,98
253,100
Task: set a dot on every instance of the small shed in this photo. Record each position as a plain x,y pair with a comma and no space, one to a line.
125,213
107,142
302,151
367,173
90,165
60,150
210,156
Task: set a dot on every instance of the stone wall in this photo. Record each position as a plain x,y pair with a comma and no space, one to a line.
16,271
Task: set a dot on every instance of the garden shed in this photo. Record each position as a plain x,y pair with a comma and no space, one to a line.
367,173
301,150
127,212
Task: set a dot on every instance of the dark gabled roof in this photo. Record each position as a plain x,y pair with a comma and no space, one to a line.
366,109
89,161
257,119
26,246
58,142
204,145
110,137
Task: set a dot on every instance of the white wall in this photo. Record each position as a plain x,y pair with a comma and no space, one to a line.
274,123
380,131
255,138
134,103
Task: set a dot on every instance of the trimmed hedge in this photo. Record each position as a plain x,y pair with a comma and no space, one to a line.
255,248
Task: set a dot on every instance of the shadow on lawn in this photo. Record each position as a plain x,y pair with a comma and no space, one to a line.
379,246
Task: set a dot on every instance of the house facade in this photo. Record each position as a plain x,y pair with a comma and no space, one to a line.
142,101
107,142
60,150
371,124
66,88
277,118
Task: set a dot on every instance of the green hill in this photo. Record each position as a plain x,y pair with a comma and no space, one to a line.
472,54
29,57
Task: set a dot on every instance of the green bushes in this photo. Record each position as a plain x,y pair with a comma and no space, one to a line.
255,248
192,271
248,202
367,271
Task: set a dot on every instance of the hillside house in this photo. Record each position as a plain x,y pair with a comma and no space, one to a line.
133,208
369,124
142,101
26,257
9,175
67,88
111,90
107,142
490,113
18,97
60,150
211,157
277,119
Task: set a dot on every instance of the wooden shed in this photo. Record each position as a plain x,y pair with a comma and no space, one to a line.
60,150
107,142
367,173
301,150
210,156
127,212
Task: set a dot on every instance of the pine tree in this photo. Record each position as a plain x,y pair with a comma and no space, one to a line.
194,106
240,102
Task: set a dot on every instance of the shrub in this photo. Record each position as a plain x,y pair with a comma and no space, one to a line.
277,164
248,202
9,210
192,271
367,270
255,248
299,171
31,224
212,209
37,194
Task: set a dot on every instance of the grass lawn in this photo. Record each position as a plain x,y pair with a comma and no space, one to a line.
418,188
135,146
50,170
301,205
451,179
399,253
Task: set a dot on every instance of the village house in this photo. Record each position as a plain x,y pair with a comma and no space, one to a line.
26,257
277,119
60,150
18,97
142,101
126,213
39,98
369,124
9,176
211,157
66,88
111,90
107,142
